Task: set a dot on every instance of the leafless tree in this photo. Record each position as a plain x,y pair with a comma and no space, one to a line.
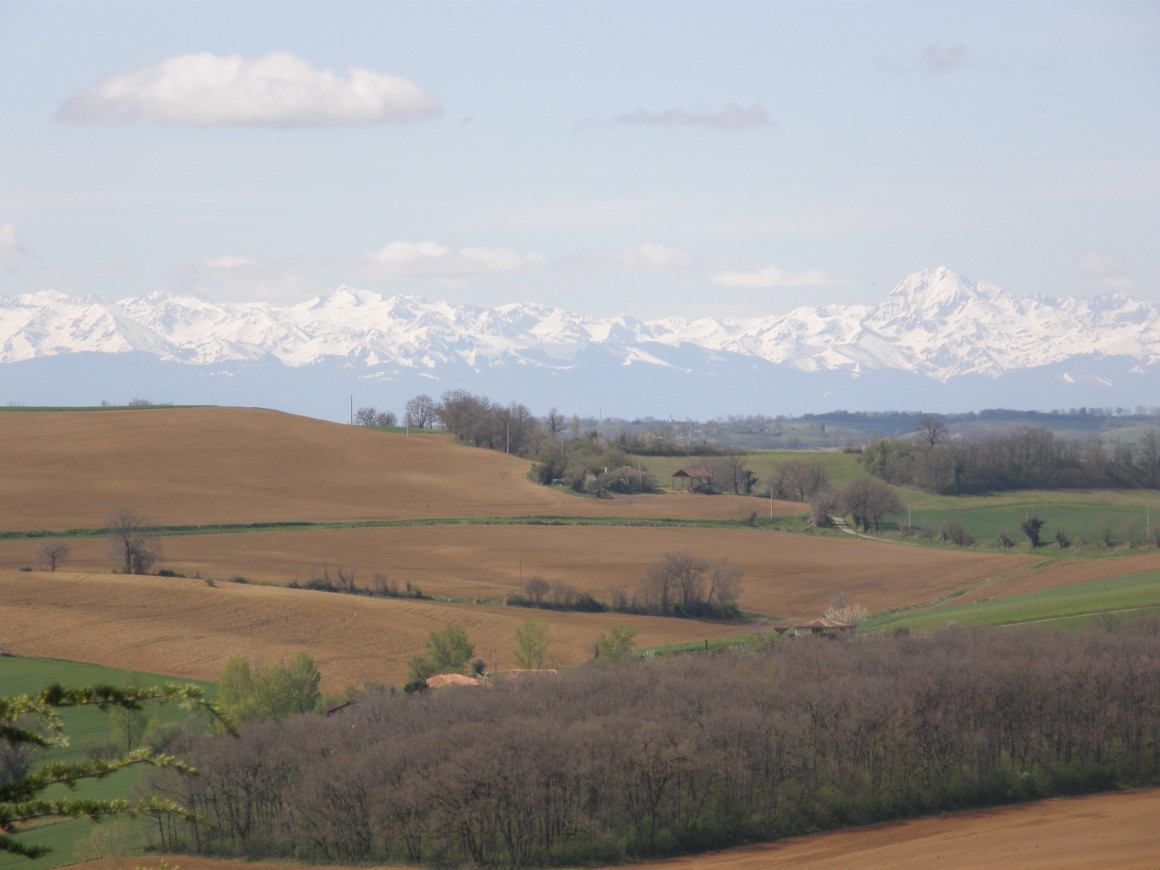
932,429
133,541
869,501
52,553
536,588
420,412
724,585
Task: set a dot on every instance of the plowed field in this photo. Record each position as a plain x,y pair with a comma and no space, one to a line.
189,629
200,466
1112,830
785,575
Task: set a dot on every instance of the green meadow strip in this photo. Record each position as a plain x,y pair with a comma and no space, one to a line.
247,528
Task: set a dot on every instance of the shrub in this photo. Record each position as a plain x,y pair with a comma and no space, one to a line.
954,531
1032,526
1063,539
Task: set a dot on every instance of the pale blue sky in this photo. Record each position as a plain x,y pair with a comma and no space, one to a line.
643,158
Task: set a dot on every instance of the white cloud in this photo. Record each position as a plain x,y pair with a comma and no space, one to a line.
1108,270
935,59
432,260
279,89
772,276
732,117
239,279
12,250
646,258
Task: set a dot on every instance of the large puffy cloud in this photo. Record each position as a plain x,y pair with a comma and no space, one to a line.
12,250
772,276
430,259
1108,270
209,90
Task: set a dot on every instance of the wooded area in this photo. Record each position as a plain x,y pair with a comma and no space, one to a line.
686,754
1027,459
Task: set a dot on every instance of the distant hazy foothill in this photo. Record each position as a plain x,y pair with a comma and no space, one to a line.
937,340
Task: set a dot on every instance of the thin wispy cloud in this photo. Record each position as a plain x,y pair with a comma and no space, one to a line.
400,260
276,90
649,257
771,276
732,117
936,59
13,252
233,278
1107,270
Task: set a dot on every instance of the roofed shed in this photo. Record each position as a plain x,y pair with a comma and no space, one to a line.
692,478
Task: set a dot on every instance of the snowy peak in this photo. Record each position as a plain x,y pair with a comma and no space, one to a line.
934,323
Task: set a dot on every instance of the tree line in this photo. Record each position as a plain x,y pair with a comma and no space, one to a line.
1028,459
664,756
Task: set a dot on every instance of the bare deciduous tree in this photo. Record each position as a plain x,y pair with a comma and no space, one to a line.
133,541
52,553
932,429
420,412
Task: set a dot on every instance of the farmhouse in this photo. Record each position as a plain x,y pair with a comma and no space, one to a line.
692,478
826,628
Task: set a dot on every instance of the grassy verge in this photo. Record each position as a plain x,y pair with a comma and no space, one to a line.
85,727
1066,607
792,523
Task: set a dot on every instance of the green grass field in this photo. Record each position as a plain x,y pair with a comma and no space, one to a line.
85,727
1122,597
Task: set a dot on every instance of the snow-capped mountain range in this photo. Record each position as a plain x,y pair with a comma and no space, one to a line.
935,327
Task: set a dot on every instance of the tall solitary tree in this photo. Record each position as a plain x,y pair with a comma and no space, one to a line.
133,541
52,553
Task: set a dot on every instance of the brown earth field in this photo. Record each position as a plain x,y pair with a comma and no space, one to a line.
188,629
785,575
1107,830
200,466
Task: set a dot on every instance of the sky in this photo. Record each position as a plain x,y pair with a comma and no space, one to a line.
649,159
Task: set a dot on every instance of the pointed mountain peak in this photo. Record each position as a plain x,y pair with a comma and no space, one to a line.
934,288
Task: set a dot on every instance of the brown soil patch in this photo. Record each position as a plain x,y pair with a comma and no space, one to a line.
189,630
1108,830
1112,830
198,466
787,575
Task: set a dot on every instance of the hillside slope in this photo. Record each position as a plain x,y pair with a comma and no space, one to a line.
200,466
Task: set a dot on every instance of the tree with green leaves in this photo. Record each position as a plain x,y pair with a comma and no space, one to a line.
616,644
531,644
447,650
276,692
35,721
